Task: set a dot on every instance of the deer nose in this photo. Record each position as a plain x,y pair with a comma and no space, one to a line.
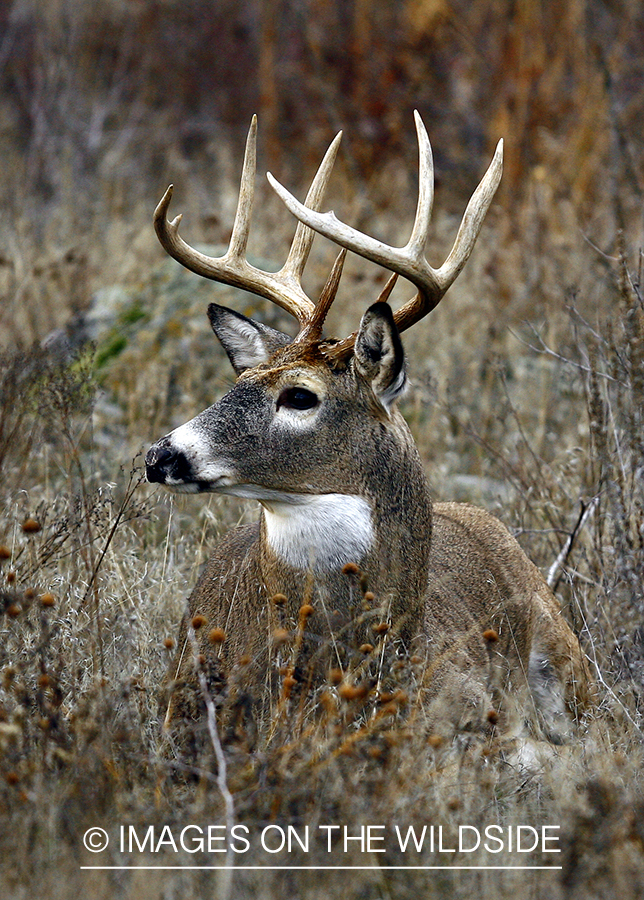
158,462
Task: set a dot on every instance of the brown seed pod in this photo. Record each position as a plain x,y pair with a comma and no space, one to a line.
287,685
350,569
493,717
386,697
366,648
198,621
217,636
279,600
353,691
490,635
5,553
168,643
335,676
280,637
381,628
31,526
47,600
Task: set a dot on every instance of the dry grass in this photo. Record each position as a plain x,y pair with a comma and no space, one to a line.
527,397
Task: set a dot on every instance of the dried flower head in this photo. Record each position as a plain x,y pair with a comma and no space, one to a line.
306,611
353,691
31,526
280,637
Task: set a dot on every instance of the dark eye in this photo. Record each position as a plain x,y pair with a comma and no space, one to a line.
297,398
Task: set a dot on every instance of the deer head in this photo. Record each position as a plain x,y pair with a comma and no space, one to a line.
296,400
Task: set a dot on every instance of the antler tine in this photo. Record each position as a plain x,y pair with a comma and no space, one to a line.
418,238
283,287
303,239
409,261
241,225
313,330
473,219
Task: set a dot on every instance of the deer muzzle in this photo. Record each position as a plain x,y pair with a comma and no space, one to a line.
164,464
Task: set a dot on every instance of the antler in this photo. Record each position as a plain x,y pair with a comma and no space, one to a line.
284,287
408,261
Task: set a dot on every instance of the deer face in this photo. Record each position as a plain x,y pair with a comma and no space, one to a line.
293,424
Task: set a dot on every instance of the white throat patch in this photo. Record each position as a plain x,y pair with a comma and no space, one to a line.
319,532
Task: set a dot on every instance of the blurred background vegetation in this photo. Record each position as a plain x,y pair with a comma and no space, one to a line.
102,104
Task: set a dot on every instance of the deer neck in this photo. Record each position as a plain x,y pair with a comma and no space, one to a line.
381,522
318,533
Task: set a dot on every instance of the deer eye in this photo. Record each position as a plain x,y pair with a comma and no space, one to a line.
297,398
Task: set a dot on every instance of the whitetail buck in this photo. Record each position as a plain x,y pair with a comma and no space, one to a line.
312,432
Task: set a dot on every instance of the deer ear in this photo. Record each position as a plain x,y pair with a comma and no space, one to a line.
379,356
247,343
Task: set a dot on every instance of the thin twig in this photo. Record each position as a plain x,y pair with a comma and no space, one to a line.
544,349
222,775
565,551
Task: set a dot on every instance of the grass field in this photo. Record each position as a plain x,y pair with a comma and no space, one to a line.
526,397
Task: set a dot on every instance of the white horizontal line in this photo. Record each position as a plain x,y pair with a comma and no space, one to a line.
320,868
